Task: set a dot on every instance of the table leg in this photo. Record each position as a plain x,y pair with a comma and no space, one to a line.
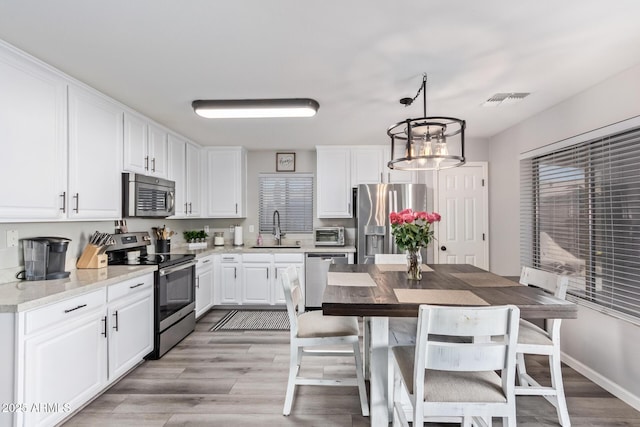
379,368
366,345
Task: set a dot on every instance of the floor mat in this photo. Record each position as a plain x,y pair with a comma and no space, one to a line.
253,320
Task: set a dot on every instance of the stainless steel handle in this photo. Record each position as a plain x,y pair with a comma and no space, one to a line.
116,325
236,208
64,202
170,270
104,326
235,273
206,261
267,273
190,210
153,164
136,286
186,211
69,310
77,197
172,200
146,163
198,282
381,177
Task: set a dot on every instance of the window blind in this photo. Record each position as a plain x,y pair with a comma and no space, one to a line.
580,216
292,196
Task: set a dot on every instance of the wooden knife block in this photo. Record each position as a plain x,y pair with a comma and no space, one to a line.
92,257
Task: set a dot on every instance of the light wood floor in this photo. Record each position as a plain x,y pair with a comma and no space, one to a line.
239,379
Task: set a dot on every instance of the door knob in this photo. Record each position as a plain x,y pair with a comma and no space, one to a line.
443,248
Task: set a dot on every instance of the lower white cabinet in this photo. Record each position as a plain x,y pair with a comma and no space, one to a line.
280,263
261,276
230,279
130,322
204,285
69,351
65,364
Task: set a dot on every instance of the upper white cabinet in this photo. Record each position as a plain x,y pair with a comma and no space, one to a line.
227,182
95,159
184,169
145,147
33,134
334,182
340,168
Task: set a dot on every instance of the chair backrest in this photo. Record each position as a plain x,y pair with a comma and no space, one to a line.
493,333
293,296
390,259
555,284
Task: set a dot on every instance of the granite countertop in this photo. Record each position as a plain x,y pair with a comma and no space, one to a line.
25,295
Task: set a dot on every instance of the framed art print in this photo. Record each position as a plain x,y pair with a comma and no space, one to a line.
285,162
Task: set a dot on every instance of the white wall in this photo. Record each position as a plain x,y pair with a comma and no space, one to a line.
600,346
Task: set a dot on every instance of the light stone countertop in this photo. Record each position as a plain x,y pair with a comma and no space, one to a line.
226,249
25,295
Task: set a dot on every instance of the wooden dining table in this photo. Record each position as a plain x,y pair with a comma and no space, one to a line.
378,292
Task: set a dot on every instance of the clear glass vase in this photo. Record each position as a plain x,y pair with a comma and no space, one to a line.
414,264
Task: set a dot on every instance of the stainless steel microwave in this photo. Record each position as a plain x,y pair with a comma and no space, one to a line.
329,236
147,197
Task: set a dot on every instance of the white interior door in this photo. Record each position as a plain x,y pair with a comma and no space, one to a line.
463,232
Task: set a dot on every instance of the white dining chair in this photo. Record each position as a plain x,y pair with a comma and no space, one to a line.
449,381
309,329
543,341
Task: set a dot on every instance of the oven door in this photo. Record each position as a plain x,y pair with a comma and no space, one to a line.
175,293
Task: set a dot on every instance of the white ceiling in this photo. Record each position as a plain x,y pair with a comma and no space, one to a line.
357,58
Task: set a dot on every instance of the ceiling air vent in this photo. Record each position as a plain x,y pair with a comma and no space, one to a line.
505,99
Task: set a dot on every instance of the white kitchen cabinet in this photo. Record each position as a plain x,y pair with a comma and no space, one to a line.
230,278
227,182
257,278
65,357
184,169
95,159
367,164
204,285
334,194
130,321
33,131
145,147
280,263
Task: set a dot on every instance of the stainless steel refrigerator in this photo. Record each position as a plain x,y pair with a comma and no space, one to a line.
373,204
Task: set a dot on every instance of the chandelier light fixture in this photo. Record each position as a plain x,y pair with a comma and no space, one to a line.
426,143
255,108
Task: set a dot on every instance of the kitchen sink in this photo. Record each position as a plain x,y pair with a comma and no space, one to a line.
276,247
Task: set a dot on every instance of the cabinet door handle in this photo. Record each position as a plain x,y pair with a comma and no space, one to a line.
104,326
185,208
276,274
381,177
235,276
267,273
116,325
64,202
190,211
198,282
206,261
136,286
236,208
146,163
77,197
69,310
153,164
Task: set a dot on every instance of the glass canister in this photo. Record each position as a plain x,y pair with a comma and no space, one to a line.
218,238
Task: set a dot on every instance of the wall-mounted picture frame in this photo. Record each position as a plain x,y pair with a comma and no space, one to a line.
285,162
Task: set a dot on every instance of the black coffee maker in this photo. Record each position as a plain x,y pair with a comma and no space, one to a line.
45,258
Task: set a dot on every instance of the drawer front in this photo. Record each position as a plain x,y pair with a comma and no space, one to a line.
257,257
72,308
292,258
129,286
205,263
230,258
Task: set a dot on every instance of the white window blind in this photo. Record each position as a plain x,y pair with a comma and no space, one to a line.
292,196
580,216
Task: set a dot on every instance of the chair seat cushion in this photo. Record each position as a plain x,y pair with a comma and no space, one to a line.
450,386
313,324
532,334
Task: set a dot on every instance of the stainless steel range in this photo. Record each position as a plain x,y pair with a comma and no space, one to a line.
174,289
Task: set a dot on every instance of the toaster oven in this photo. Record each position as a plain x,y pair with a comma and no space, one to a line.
329,236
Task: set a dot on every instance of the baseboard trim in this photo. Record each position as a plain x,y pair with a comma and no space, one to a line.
613,388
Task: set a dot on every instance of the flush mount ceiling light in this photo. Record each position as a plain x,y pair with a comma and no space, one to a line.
255,108
426,143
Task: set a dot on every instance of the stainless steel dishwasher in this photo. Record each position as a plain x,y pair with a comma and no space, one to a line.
316,268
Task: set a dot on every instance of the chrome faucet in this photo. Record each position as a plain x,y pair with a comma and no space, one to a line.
277,233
